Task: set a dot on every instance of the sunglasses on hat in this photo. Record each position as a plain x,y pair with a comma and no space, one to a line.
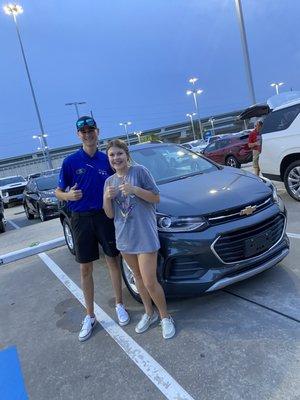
82,122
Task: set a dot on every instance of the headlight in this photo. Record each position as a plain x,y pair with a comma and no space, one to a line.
273,188
49,200
166,223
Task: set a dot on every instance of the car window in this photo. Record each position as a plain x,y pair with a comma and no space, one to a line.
281,119
211,147
171,162
47,182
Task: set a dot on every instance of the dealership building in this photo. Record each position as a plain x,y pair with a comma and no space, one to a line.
177,133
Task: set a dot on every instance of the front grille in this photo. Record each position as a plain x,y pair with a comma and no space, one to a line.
15,191
234,213
181,268
249,242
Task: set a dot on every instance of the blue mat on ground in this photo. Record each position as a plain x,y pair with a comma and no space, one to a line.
11,380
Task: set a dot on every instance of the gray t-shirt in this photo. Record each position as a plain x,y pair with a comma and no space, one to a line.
135,219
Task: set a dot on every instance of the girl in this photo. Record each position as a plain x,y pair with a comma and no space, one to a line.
129,197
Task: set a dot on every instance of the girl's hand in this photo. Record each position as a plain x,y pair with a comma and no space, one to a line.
127,189
111,192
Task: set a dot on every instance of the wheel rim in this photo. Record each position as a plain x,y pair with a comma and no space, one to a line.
68,236
129,277
294,181
231,162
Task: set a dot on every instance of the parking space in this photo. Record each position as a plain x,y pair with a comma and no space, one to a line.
240,343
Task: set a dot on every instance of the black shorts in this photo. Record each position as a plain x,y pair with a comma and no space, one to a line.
90,230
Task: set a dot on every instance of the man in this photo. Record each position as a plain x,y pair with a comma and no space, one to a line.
84,174
254,143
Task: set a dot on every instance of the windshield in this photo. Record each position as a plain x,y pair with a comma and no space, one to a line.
171,162
8,181
47,183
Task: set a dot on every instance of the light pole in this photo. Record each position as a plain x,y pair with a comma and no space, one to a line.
76,104
195,93
125,124
14,10
138,134
190,116
43,148
239,11
276,85
211,120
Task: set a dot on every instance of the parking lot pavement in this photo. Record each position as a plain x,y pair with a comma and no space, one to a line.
226,347
15,215
241,343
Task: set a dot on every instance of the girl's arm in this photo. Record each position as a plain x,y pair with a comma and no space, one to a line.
109,194
146,195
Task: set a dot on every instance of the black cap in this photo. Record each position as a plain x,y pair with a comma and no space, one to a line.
85,121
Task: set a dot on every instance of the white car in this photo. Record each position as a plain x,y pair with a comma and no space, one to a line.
11,189
280,156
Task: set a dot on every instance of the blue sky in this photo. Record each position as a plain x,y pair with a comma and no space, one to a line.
130,60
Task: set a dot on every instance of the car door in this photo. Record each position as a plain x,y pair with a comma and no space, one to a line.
210,151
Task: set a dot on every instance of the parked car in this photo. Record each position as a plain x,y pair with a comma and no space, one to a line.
217,225
199,145
11,189
231,150
280,156
39,198
2,218
35,175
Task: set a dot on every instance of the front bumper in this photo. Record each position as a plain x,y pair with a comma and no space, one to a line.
188,266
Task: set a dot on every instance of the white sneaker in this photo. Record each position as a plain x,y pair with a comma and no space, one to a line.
122,314
88,325
168,327
145,322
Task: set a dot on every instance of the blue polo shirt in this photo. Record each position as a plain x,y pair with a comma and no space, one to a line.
90,174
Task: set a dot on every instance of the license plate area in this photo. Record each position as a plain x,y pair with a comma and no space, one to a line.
258,243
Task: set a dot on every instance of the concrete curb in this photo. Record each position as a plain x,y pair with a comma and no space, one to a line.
30,251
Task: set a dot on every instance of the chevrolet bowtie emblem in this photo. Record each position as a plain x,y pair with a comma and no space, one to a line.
248,210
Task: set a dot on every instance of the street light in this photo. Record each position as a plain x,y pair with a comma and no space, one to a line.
125,124
76,104
13,10
276,85
192,123
196,92
211,120
43,147
138,134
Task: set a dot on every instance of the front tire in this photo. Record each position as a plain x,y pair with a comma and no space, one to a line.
128,278
68,236
291,180
42,215
27,212
231,161
2,226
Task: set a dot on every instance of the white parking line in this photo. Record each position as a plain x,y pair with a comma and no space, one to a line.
151,368
294,235
13,224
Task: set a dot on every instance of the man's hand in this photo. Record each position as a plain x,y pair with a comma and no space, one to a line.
74,194
127,189
111,192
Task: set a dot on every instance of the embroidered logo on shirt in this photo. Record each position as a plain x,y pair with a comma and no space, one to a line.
80,171
102,172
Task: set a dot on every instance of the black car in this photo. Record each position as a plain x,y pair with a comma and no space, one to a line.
2,218
217,225
39,198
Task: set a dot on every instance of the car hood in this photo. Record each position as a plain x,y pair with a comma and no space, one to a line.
211,192
13,185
